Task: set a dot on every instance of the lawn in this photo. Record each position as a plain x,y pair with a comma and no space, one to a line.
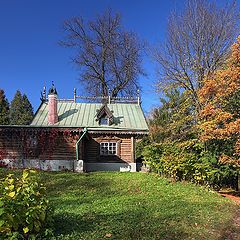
134,206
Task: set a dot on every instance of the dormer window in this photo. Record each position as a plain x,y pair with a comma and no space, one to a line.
104,116
103,121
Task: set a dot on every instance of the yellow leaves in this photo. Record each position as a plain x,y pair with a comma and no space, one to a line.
25,229
10,180
11,194
25,174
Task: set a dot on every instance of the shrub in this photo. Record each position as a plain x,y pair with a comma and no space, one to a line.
189,162
24,208
140,146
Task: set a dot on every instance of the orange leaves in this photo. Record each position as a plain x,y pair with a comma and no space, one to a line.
237,147
235,50
223,82
216,120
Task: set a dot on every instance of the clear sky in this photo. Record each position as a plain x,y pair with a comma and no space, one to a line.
30,56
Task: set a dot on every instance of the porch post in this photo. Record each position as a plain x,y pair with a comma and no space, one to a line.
133,164
78,167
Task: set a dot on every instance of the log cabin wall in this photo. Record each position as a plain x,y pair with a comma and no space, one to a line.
10,147
17,145
54,150
61,148
125,148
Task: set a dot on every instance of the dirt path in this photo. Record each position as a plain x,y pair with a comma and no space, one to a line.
234,198
234,233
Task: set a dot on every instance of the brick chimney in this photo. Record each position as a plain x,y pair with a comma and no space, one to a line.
52,105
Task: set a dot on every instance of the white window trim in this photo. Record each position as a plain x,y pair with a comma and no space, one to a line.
107,144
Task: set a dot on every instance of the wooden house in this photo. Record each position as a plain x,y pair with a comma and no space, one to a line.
71,135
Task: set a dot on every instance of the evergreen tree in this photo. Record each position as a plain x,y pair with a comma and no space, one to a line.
27,114
21,111
15,109
4,109
174,119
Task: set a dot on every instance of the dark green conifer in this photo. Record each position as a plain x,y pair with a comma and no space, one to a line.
21,111
27,114
4,109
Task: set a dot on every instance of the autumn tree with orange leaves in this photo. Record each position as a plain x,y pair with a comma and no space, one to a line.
220,114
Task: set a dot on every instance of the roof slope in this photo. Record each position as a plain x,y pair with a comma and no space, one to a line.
70,114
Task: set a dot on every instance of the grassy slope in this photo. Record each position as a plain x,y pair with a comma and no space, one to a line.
134,206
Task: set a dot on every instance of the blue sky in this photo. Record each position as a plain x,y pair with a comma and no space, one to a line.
30,56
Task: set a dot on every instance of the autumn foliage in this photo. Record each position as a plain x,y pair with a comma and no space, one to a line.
220,114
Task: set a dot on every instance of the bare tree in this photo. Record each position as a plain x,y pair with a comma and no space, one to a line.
198,42
108,56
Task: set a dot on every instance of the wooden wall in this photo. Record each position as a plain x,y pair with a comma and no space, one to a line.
63,149
25,144
10,146
125,148
44,145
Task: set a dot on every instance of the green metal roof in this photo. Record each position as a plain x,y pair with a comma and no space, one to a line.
127,116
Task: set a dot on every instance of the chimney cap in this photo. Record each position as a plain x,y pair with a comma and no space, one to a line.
52,90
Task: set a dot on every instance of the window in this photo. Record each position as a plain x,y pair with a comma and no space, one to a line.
108,148
104,121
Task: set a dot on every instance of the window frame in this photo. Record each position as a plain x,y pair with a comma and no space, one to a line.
111,148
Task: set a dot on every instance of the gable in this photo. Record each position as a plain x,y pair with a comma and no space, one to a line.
125,116
104,114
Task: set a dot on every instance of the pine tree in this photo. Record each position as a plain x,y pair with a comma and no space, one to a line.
174,119
15,109
27,114
4,109
21,111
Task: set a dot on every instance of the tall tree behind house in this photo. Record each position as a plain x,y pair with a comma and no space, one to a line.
21,110
108,56
4,109
198,42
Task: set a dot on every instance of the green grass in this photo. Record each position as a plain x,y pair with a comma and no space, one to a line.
134,206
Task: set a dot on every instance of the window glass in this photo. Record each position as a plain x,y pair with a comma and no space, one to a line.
104,121
108,148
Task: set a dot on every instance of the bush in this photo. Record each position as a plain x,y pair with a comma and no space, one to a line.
189,162
140,146
24,208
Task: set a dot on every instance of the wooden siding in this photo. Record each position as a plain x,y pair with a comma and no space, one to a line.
18,144
22,144
62,150
124,148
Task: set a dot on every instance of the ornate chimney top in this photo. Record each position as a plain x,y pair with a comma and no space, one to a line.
52,105
52,90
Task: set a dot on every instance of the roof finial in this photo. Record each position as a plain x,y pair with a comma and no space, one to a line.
43,94
109,96
52,89
75,94
138,97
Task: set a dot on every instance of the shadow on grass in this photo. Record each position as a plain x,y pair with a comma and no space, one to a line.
152,219
100,185
231,230
125,225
